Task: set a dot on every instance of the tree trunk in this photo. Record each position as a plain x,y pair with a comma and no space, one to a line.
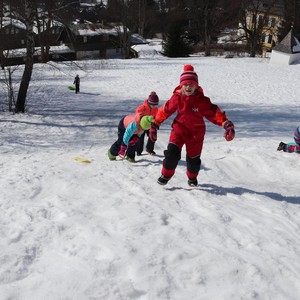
207,44
207,37
253,49
21,100
141,17
2,59
11,99
125,42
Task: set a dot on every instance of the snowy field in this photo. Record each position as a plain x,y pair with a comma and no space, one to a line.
106,230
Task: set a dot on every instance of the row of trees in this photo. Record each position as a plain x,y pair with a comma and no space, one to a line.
183,23
193,22
38,14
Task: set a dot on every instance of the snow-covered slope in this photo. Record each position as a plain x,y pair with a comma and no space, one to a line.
107,230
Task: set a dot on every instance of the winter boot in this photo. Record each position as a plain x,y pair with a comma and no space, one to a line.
193,182
163,180
110,155
130,159
281,146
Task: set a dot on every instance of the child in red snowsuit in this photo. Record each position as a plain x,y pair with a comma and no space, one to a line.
148,108
291,147
192,107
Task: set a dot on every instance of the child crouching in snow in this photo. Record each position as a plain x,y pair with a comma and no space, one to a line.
188,126
129,131
148,108
292,146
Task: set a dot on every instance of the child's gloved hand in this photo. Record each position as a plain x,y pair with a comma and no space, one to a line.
122,151
133,141
229,130
153,132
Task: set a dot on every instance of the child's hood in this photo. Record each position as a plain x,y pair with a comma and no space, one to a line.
177,90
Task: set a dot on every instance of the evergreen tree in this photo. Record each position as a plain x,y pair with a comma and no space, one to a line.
175,43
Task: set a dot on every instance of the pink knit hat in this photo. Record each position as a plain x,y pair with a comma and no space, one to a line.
153,99
188,76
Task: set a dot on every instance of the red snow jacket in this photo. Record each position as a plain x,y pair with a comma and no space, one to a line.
191,111
145,110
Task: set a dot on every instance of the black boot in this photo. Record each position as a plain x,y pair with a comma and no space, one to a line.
193,182
281,146
163,180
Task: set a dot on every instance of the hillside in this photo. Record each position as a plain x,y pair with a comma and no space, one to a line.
107,230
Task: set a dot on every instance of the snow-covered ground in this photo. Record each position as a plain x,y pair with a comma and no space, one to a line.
106,229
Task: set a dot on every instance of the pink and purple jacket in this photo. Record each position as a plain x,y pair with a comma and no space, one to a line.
131,127
294,146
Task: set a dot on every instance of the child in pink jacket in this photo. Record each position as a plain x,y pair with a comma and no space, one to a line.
188,127
130,129
292,146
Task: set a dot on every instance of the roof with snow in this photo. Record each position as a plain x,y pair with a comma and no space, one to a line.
8,21
95,29
289,44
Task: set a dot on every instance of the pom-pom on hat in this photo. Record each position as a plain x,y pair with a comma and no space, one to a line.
146,122
153,99
297,136
188,76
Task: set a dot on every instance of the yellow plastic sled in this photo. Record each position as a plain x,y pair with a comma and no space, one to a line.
82,159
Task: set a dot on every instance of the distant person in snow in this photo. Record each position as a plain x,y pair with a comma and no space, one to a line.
292,146
129,131
188,127
77,83
148,108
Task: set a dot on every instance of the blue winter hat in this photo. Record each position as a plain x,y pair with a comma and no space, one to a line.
297,136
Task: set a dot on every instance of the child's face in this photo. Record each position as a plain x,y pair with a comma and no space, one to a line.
188,89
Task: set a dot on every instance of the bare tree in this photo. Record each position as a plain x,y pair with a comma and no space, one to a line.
44,20
8,83
124,40
291,18
47,14
143,16
208,17
24,10
254,20
119,10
